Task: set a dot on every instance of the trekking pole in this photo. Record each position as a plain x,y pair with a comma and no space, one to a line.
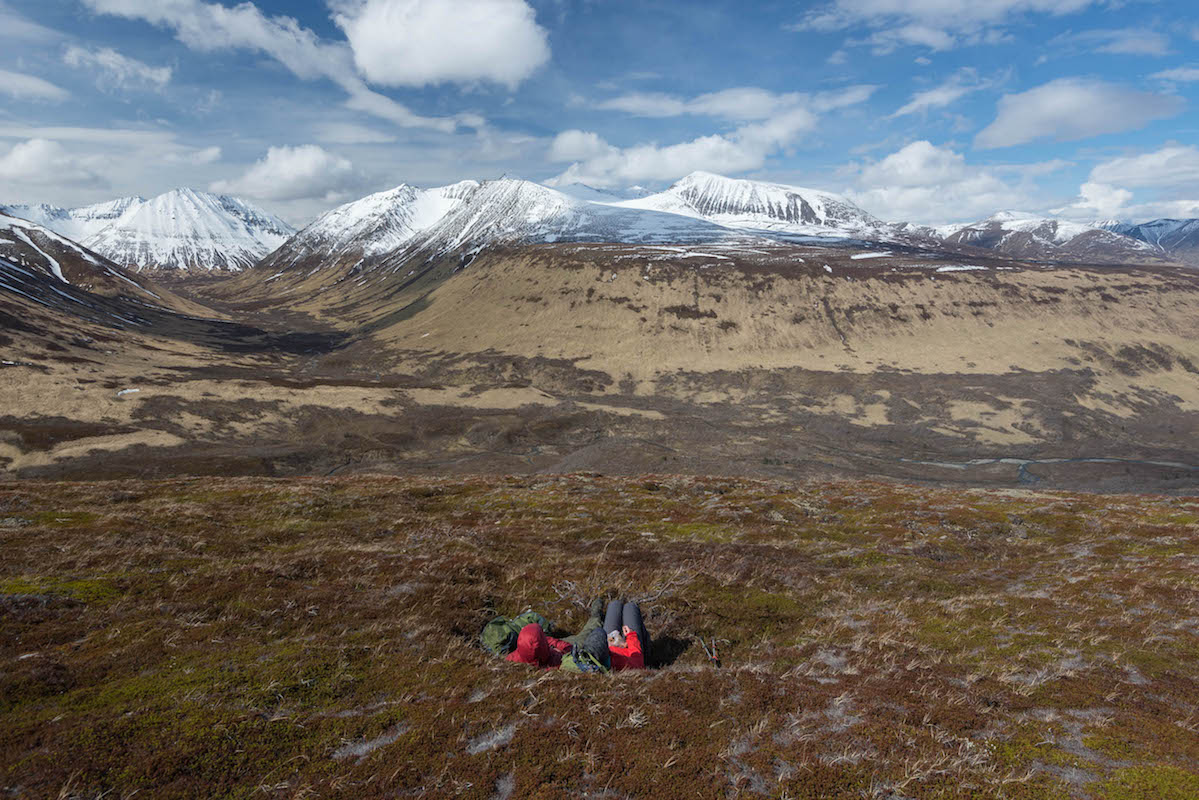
711,654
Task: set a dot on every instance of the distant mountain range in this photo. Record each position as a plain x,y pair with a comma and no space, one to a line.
197,231
1039,238
180,230
1179,237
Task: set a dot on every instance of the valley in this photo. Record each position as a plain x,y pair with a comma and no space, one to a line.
721,327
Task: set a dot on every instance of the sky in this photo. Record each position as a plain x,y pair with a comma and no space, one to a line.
928,111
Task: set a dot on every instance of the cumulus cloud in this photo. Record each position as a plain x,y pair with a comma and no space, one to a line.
1072,108
925,183
423,42
578,146
1101,200
296,173
29,87
116,71
958,86
745,149
208,27
770,123
46,162
935,24
1168,174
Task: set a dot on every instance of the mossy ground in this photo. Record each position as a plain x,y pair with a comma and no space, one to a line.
316,638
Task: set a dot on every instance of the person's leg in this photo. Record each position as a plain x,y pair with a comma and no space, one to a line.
593,622
632,617
613,618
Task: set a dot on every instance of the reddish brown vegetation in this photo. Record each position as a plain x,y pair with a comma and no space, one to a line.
249,637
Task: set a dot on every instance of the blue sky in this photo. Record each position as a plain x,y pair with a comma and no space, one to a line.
924,110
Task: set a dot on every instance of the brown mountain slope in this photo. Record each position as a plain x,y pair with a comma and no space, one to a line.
786,360
28,247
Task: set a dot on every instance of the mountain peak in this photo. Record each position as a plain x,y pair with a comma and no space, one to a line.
186,228
758,205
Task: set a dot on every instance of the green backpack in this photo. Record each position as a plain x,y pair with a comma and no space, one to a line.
499,635
579,660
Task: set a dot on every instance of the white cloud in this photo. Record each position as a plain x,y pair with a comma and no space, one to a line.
1104,200
935,24
1172,166
208,27
206,155
45,162
1178,75
741,104
116,71
1116,41
771,122
1171,173
578,146
423,42
925,183
601,164
890,39
15,27
1072,108
28,87
1100,201
144,141
295,173
957,87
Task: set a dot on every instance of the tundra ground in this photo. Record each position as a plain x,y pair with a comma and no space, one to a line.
317,638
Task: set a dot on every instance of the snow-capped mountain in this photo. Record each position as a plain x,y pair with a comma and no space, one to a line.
763,207
188,230
76,224
378,224
511,211
388,227
1044,238
181,229
1178,237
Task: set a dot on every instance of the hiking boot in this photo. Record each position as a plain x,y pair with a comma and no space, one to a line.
597,608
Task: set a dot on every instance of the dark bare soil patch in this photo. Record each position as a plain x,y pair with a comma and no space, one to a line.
315,637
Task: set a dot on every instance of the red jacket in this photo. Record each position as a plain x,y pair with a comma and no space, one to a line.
629,656
534,647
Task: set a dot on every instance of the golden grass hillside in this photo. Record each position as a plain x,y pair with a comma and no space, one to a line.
316,638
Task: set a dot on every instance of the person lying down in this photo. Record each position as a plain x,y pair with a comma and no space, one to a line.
614,642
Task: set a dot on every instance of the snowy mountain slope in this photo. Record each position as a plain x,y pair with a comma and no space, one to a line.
581,191
516,211
40,249
76,224
377,224
1029,236
759,206
1178,237
61,269
188,230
